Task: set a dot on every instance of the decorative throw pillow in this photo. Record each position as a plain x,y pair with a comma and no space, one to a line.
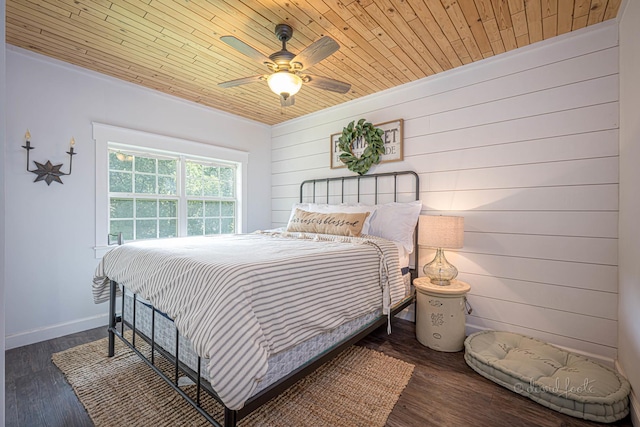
340,224
343,208
303,206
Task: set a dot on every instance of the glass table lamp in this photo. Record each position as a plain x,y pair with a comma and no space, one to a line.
441,232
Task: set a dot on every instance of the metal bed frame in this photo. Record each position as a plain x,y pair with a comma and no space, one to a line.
231,417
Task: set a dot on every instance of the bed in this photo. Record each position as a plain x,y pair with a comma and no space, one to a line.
296,296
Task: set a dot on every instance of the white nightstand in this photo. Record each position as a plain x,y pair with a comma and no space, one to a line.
440,314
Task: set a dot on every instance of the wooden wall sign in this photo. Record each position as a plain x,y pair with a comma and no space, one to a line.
392,144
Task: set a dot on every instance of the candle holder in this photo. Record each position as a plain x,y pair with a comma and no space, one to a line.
48,172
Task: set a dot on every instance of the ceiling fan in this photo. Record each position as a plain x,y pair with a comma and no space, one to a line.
286,77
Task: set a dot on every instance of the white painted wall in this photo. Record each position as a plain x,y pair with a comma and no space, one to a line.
50,231
525,147
2,203
629,243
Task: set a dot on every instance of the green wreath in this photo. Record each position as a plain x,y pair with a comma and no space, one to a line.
372,152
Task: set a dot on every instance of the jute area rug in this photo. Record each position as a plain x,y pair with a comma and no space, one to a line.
358,388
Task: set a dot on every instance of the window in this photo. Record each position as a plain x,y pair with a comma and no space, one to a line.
145,195
147,189
211,206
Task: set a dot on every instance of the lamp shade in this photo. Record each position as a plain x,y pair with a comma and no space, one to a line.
441,231
284,83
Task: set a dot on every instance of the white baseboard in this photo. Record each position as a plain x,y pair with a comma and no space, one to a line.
54,331
634,403
634,409
471,329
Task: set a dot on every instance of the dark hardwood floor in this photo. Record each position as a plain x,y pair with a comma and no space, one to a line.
443,390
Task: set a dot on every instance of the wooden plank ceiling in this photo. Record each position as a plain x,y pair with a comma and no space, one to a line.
174,46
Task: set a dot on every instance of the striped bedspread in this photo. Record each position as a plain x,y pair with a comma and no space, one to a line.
241,298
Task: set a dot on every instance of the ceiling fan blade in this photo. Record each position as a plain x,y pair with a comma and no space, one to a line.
288,102
245,49
242,81
326,83
316,52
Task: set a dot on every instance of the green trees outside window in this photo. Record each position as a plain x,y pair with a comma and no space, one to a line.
146,194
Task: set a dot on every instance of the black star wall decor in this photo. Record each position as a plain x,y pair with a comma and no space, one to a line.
48,172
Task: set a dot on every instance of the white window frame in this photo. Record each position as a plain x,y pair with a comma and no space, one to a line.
104,134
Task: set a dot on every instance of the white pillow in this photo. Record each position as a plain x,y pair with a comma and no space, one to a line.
396,221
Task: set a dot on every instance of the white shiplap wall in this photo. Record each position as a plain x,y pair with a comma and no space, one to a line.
629,228
525,147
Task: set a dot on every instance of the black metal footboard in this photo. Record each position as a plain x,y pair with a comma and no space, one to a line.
231,417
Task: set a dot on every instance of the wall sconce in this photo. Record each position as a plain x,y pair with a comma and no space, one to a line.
48,172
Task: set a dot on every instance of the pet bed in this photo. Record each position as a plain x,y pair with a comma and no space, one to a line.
560,380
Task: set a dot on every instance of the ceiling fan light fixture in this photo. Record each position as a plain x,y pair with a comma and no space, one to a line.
284,83
285,67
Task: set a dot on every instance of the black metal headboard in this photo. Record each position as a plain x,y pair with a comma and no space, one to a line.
337,189
376,177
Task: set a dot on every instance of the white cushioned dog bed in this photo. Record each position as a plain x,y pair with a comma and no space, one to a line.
555,378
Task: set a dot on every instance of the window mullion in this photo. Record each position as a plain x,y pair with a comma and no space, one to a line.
182,197
135,219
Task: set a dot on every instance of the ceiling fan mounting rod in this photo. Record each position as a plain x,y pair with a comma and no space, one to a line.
284,33
283,57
